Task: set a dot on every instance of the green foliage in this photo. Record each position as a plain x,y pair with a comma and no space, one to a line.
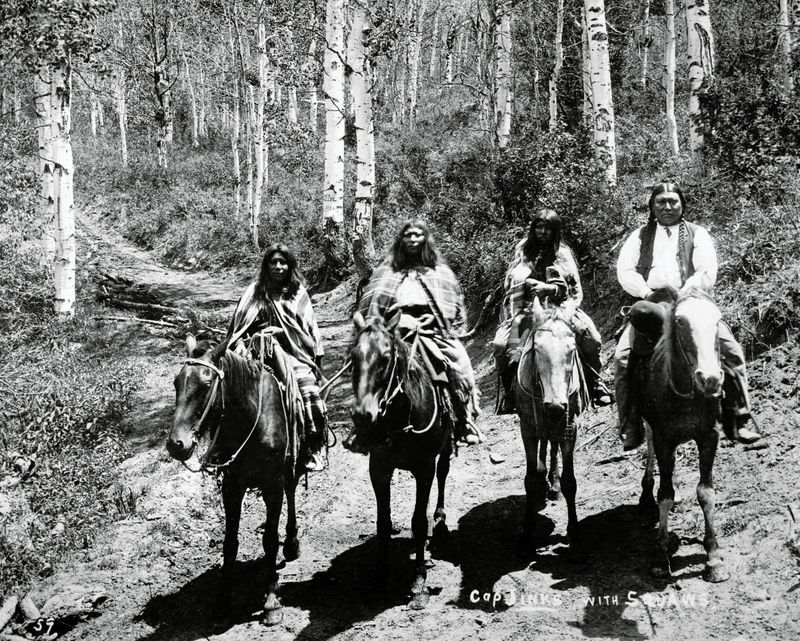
753,130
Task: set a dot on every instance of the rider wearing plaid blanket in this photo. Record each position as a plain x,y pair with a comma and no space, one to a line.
279,299
544,266
415,280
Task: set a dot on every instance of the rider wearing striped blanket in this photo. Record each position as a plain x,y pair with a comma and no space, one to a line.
279,299
415,280
543,266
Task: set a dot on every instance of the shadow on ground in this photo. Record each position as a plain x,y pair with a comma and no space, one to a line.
487,547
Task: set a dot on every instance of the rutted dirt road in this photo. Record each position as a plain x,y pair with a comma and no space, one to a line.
161,565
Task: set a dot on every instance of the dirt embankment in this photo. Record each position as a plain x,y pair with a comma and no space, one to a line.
160,565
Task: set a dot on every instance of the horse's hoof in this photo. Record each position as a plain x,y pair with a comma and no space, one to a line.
673,543
660,572
419,601
291,549
716,572
440,533
272,617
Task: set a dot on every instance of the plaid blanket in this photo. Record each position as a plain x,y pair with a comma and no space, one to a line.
515,299
301,340
441,287
295,315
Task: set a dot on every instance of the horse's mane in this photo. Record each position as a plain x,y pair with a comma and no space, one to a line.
555,312
414,373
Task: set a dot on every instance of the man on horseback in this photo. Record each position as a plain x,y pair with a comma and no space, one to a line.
543,266
279,299
415,280
669,252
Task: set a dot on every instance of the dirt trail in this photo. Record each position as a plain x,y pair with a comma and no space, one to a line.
160,566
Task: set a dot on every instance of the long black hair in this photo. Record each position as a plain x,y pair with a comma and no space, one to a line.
295,279
531,249
429,256
661,188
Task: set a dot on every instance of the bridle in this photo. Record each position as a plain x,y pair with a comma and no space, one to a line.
395,383
688,361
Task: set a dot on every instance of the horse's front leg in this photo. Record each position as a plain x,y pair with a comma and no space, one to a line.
535,483
232,496
440,530
273,500
380,474
291,544
553,480
419,526
707,448
665,453
647,504
569,487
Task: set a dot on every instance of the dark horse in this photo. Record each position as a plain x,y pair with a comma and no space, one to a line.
551,395
242,411
404,422
681,385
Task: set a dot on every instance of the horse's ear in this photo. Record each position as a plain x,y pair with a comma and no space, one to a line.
359,322
191,344
393,320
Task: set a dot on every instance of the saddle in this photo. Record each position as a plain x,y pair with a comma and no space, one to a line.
647,322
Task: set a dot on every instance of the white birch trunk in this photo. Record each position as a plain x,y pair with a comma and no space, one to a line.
459,59
669,74
602,100
360,83
700,53
291,105
64,272
101,118
414,48
93,115
503,81
193,101
119,94
44,127
450,44
260,142
202,119
434,46
312,87
588,99
645,44
333,88
558,49
785,39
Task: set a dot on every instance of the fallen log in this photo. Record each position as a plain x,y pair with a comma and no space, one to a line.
147,307
28,608
136,319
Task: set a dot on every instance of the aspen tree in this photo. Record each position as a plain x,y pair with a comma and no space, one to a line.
602,100
360,88
669,73
416,13
192,100
645,43
503,80
450,44
120,77
588,100
434,44
700,53
333,89
311,61
558,53
44,126
785,39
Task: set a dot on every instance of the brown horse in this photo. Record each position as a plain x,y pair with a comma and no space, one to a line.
681,385
551,395
403,420
243,412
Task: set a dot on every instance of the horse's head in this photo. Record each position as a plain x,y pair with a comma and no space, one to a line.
196,387
374,359
695,337
554,355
